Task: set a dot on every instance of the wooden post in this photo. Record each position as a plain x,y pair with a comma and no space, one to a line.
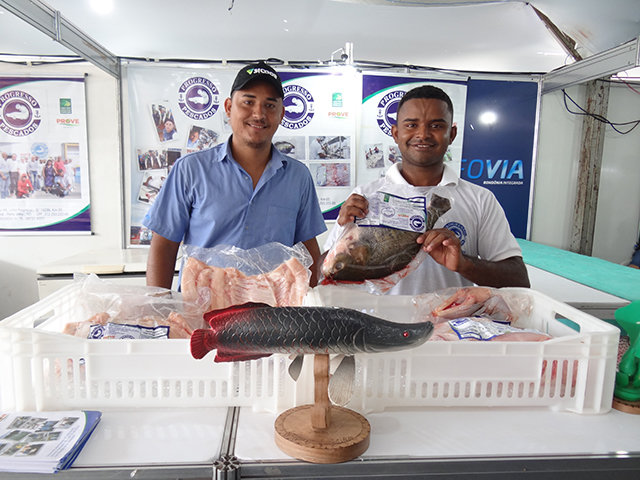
589,166
321,412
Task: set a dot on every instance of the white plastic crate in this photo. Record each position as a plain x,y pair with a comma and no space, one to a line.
574,371
43,369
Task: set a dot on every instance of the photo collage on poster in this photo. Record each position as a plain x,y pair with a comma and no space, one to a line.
329,159
171,142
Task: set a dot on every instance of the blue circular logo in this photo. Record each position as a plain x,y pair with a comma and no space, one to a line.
388,110
19,113
40,149
97,332
198,98
298,107
459,231
417,223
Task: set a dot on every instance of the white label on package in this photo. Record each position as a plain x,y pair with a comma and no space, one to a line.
469,328
396,212
123,331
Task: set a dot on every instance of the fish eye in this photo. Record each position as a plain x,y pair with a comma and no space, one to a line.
405,334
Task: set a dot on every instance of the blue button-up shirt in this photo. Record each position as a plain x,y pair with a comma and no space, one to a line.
208,199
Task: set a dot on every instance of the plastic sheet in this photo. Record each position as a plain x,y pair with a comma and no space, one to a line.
132,312
376,252
223,276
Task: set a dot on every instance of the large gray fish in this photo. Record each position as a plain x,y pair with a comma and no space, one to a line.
368,252
253,331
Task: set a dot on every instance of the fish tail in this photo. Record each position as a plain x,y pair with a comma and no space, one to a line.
202,342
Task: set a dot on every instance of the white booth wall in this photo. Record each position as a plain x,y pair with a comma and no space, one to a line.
556,173
555,183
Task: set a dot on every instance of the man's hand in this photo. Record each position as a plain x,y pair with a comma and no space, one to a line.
354,206
444,247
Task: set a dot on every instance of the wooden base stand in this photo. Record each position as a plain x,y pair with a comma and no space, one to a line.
322,433
626,406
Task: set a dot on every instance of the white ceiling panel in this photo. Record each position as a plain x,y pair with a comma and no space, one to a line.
477,36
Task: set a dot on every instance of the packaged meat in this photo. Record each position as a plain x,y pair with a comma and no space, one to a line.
132,312
223,276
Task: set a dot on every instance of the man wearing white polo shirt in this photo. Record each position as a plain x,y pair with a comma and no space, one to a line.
472,243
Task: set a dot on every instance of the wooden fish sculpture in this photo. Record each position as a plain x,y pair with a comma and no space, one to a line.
252,331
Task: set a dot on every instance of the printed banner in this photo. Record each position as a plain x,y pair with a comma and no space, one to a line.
44,180
319,129
381,95
498,146
174,111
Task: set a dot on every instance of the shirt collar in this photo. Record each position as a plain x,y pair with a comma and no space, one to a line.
277,160
449,176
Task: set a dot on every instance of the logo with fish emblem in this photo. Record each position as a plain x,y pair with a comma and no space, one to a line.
417,223
198,98
388,110
459,230
19,113
298,107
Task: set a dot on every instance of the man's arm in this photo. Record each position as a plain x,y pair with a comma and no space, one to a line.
314,250
510,272
161,262
444,248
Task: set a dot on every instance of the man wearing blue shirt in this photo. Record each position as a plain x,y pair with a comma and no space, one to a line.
243,192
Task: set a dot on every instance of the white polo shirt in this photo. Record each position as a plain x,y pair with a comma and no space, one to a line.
475,217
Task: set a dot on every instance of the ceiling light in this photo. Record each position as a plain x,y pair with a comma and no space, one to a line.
101,7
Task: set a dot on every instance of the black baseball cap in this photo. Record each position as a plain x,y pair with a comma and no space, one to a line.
258,71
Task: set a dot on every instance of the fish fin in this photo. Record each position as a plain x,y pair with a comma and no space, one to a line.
213,315
199,345
295,367
341,383
231,356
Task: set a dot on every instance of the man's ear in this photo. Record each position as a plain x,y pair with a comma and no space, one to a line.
453,134
227,106
394,133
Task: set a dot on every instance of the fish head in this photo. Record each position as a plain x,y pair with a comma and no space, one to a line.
346,254
396,336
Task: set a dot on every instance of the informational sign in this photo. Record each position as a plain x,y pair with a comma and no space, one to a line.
499,137
319,129
174,111
44,179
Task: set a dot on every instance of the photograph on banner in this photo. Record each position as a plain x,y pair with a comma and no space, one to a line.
319,128
186,106
381,95
292,145
151,184
164,122
200,138
331,174
44,181
335,147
